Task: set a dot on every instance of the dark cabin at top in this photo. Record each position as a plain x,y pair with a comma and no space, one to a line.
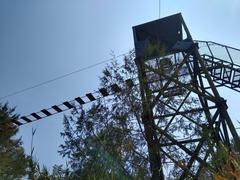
165,33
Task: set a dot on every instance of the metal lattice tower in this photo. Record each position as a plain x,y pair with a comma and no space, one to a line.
184,117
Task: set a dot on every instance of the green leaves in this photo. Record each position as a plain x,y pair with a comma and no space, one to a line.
12,157
104,141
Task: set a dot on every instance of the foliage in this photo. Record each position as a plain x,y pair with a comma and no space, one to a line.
226,164
99,147
35,172
108,139
58,173
13,161
105,141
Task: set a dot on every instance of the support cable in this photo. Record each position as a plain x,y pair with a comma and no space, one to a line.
59,77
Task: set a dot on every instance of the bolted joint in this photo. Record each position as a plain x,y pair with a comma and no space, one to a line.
194,82
222,104
196,45
146,118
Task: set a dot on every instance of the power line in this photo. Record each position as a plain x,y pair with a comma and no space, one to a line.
58,77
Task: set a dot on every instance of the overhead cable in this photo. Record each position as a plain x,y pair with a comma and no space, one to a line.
59,77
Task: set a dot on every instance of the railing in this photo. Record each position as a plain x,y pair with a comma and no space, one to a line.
223,63
219,51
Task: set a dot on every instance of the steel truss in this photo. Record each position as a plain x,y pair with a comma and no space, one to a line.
184,117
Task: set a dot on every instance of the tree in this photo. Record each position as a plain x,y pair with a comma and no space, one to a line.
105,140
109,138
36,172
14,161
58,173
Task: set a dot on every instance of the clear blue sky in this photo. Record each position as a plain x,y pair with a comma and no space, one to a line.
42,39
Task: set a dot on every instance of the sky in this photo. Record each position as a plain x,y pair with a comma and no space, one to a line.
43,39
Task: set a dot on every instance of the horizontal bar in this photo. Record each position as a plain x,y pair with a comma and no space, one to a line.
26,119
36,116
181,142
79,100
46,112
17,123
104,92
185,112
90,97
115,88
67,104
56,108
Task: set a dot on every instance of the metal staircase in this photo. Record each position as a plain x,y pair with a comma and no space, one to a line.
223,63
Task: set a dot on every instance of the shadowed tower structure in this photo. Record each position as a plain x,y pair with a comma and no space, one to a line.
185,118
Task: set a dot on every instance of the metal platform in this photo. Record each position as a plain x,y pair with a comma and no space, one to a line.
223,63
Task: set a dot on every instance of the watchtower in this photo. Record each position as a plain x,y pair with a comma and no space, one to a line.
185,119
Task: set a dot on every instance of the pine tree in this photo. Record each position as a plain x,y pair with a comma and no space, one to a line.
108,140
13,160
